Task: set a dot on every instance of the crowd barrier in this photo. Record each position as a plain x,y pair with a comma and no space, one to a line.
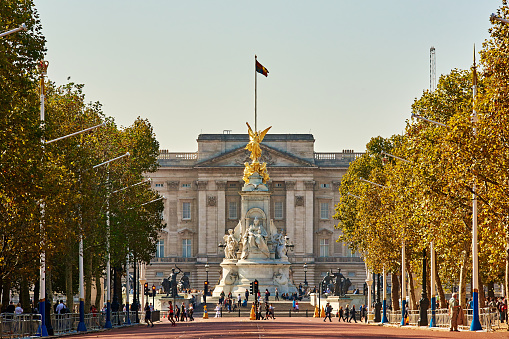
28,325
488,317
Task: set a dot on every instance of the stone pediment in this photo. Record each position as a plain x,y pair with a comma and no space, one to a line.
273,158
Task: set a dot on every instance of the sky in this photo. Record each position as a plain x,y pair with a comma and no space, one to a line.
345,71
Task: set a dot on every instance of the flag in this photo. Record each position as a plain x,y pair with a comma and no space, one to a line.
261,69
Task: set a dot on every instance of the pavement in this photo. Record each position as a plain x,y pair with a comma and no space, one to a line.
298,328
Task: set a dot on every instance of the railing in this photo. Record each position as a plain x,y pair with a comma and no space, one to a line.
163,154
338,259
172,259
489,318
337,156
19,325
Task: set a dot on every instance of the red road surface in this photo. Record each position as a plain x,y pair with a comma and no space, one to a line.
298,328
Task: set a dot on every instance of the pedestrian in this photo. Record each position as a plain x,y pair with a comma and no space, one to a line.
297,306
177,312
218,310
183,314
190,311
277,294
328,311
148,315
246,294
352,314
239,300
267,311
18,309
170,314
365,313
340,314
271,311
347,312
267,295
59,307
454,311
11,308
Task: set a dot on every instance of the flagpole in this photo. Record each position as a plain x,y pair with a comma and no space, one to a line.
256,127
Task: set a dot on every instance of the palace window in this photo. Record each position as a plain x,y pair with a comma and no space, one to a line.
278,210
324,211
324,185
159,274
324,247
186,185
186,248
160,249
186,211
159,185
232,210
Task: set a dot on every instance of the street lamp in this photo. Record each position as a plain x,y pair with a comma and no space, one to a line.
493,17
305,274
476,324
23,27
207,270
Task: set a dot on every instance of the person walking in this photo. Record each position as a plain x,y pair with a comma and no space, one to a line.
276,294
347,313
177,312
170,314
267,295
340,314
239,300
190,311
246,294
328,311
352,314
454,310
218,310
148,315
183,314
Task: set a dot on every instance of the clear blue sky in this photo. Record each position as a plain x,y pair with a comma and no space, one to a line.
344,71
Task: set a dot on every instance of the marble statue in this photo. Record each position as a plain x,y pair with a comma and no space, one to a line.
231,245
280,241
254,240
280,277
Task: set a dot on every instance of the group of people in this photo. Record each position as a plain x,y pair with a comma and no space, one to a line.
269,311
182,314
346,314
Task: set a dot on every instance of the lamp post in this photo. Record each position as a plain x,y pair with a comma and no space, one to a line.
207,280
23,27
476,324
305,274
424,302
384,301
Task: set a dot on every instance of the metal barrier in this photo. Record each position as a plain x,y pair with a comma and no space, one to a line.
19,325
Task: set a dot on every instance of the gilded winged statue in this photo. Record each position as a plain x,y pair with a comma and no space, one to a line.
255,138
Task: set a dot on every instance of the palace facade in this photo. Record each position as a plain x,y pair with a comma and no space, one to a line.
203,202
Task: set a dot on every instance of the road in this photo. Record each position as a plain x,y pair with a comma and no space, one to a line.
299,328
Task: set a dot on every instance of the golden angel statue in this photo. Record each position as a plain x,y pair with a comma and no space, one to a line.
255,138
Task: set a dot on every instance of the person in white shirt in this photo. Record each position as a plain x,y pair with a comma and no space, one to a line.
18,309
60,307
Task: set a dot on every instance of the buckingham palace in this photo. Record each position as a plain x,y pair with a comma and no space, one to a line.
202,191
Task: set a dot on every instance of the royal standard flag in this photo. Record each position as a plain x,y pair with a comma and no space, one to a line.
261,69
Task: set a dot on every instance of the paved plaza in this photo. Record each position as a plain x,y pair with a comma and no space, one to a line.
299,328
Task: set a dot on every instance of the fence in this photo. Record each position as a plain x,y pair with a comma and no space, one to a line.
488,317
19,325
28,325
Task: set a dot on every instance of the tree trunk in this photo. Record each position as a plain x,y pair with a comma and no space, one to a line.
99,289
68,283
443,302
88,281
413,302
6,288
463,279
24,295
49,285
395,291
36,292
482,296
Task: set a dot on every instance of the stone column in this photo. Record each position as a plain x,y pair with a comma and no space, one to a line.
290,210
221,212
201,185
308,227
172,207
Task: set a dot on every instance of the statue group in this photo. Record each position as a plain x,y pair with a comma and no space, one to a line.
170,285
336,283
255,239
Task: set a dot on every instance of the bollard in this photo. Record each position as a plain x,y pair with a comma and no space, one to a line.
306,313
239,312
290,313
